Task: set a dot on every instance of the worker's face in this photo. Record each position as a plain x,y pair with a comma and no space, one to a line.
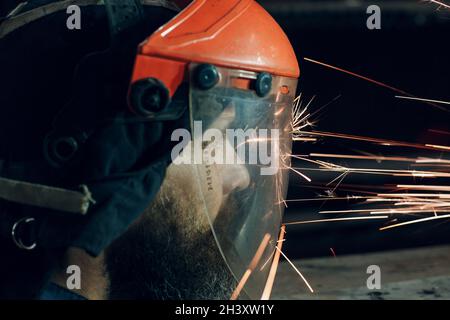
170,252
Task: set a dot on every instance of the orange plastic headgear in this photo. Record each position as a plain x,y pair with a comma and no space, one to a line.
236,34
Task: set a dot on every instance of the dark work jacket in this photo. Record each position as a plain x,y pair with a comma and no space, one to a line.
59,81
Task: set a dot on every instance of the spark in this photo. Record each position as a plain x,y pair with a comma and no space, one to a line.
298,122
435,217
301,174
345,211
339,178
419,160
279,112
359,76
378,83
337,220
424,187
376,158
383,142
254,140
268,260
438,147
384,211
428,161
296,269
332,252
251,267
321,163
422,99
300,118
327,198
305,139
440,3
382,172
432,195
439,131
241,284
406,203
432,199
273,269
394,211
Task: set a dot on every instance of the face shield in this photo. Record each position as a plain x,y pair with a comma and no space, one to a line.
240,147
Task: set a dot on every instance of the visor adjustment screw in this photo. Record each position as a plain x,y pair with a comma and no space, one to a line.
65,148
59,150
206,76
263,84
149,96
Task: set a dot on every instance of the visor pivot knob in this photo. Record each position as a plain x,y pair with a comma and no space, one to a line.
149,96
206,76
263,84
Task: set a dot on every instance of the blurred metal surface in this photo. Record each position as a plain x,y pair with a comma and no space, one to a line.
406,274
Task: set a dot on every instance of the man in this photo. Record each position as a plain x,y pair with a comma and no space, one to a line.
84,179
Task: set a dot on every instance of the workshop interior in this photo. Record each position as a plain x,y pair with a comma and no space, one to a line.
359,207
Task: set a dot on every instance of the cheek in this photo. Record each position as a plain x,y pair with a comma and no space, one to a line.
198,188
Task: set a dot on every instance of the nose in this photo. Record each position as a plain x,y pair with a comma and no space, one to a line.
234,177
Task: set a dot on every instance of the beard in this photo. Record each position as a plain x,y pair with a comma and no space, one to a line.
170,253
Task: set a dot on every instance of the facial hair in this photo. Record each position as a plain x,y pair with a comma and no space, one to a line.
170,253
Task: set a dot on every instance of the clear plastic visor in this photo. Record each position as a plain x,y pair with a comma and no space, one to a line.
246,144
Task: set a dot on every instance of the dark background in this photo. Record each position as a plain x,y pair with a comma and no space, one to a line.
410,52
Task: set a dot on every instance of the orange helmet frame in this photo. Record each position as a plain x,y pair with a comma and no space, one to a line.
236,34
